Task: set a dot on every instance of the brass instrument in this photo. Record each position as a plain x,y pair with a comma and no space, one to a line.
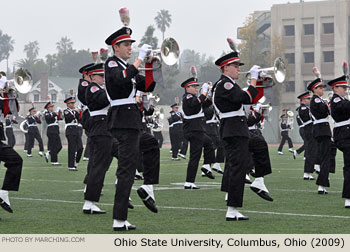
277,72
290,120
21,127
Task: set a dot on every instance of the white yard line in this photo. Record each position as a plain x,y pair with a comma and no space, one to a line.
195,208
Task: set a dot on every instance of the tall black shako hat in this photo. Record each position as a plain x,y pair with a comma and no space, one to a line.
314,84
49,104
174,105
82,70
230,58
69,100
97,69
304,95
339,82
189,82
123,34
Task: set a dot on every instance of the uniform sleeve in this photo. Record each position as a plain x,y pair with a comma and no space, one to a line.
49,118
239,97
120,75
148,112
304,114
98,98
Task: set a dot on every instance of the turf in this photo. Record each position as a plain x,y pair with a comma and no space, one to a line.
50,200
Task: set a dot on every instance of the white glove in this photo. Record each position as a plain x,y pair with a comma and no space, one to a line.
144,51
254,72
58,109
38,113
205,88
257,107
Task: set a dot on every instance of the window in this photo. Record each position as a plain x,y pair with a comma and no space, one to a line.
289,30
308,29
328,28
53,97
290,57
290,86
308,57
50,85
36,97
328,56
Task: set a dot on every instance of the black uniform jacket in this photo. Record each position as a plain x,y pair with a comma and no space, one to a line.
83,85
253,118
193,105
52,117
122,80
340,111
305,117
211,121
33,120
97,100
319,110
9,122
71,116
175,117
228,97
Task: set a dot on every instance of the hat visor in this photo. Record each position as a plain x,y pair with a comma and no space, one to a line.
241,64
124,40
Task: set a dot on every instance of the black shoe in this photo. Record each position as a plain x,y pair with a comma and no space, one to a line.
208,173
5,206
147,200
262,194
322,192
237,218
124,228
217,170
130,205
192,187
347,206
309,178
175,159
89,211
72,169
138,177
247,181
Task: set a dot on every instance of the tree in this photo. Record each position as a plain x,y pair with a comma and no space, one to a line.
163,21
65,45
6,46
148,38
51,61
32,50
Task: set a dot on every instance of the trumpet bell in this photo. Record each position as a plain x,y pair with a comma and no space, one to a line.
290,113
170,51
279,72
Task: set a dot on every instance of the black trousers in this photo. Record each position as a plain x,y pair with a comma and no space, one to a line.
75,149
87,147
220,150
176,138
285,138
149,150
302,134
310,144
260,154
128,158
11,140
198,140
159,136
102,158
324,144
54,145
13,163
34,134
236,167
26,141
344,146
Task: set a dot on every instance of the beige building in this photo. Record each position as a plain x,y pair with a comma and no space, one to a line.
314,34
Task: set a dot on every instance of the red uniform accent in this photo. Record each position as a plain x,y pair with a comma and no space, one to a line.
148,76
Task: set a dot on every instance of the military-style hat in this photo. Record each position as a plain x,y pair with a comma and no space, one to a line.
121,35
314,84
96,69
190,82
69,100
49,104
339,82
304,95
283,115
31,109
230,58
82,70
174,105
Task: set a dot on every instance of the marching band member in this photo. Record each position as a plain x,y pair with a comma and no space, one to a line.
10,119
301,134
157,130
340,112
75,148
122,81
54,144
33,132
195,132
176,133
309,141
100,138
285,127
26,136
228,99
321,132
260,154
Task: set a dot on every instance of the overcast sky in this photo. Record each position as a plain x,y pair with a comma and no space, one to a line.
199,25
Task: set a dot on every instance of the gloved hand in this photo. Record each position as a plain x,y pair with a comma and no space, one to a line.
205,88
254,72
58,109
257,107
143,51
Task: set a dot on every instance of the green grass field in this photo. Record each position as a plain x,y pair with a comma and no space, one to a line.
50,200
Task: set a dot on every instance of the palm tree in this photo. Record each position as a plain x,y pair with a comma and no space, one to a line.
64,45
6,46
148,38
51,61
163,20
32,50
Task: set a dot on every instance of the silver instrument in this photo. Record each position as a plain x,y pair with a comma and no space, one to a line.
290,120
